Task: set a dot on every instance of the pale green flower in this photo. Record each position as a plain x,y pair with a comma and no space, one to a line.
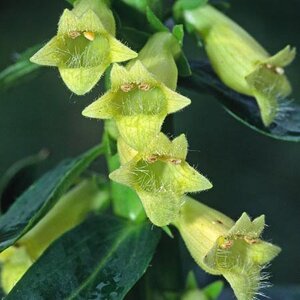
82,49
240,61
221,246
161,176
138,103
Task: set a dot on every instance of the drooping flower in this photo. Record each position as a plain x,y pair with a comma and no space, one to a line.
240,61
138,103
161,176
221,246
84,46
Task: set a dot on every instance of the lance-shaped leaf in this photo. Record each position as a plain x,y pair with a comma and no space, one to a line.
241,62
222,247
138,103
161,176
35,202
82,50
102,258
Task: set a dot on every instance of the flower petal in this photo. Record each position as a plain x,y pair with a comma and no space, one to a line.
82,80
118,51
161,208
283,57
89,21
102,108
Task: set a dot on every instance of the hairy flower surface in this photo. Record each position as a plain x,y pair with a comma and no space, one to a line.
83,47
242,63
223,247
138,103
161,176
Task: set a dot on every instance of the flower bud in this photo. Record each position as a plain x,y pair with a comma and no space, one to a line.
222,247
138,103
84,46
159,56
161,176
241,62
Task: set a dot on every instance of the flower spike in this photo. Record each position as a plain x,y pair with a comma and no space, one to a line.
161,176
138,102
82,49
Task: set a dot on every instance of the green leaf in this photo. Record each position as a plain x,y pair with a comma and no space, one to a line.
100,259
10,177
213,290
154,21
182,63
15,73
32,205
286,125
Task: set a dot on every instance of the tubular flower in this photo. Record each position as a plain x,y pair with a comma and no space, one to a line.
221,246
15,261
161,176
240,62
138,103
84,46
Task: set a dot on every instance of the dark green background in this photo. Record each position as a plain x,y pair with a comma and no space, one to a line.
250,172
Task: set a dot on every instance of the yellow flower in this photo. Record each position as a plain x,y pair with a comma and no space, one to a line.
84,46
161,176
15,261
221,246
241,62
138,103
